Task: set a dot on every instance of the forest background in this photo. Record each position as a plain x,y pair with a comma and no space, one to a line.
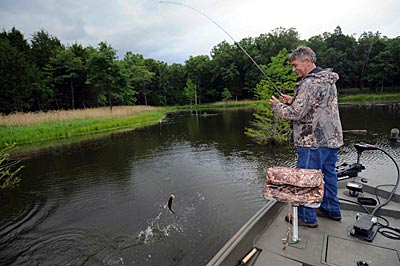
43,74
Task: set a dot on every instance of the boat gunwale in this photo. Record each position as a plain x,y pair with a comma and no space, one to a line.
243,240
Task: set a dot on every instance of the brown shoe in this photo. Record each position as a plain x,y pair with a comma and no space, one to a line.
321,213
300,222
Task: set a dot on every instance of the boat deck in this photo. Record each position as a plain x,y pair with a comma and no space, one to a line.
329,244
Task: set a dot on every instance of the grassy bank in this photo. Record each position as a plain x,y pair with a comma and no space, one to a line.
35,127
371,98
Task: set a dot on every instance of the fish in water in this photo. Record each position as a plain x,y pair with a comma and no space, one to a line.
170,200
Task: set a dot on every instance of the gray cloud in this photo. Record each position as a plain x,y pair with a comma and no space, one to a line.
172,33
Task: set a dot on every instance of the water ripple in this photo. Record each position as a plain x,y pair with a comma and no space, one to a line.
67,247
28,211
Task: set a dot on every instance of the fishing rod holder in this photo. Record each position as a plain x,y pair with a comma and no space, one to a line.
295,226
354,189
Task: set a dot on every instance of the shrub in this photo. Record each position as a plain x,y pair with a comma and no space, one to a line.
9,169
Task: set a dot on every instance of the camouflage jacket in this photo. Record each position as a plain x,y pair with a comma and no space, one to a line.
314,112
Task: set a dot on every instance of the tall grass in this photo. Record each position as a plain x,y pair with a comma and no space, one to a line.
24,119
20,130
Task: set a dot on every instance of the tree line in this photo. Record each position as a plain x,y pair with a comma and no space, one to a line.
44,74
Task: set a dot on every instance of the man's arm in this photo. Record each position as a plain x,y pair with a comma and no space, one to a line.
298,108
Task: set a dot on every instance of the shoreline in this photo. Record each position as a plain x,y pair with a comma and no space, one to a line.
71,138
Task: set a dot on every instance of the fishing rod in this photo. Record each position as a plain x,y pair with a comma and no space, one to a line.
230,36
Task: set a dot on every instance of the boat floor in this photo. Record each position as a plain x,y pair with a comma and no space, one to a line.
329,244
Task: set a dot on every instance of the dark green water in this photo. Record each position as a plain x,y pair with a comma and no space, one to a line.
102,202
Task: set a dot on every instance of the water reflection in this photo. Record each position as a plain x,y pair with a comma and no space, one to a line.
103,202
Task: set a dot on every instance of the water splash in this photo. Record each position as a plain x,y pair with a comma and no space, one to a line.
156,231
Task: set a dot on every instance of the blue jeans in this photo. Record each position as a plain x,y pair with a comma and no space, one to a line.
324,159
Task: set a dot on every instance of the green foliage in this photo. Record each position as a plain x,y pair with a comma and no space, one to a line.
103,71
44,46
9,170
138,77
63,75
45,75
20,87
338,51
226,95
279,70
176,81
268,128
189,92
198,69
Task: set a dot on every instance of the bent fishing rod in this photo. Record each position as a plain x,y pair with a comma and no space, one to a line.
230,36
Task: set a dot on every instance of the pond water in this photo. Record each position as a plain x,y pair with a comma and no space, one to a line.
103,201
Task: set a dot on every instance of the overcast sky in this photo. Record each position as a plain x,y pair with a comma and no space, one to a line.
171,33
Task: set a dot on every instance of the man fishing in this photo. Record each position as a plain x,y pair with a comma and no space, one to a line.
316,129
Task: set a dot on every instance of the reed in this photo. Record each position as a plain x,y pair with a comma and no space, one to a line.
24,119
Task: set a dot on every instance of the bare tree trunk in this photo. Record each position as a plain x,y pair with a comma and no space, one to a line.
195,95
109,97
56,99
72,95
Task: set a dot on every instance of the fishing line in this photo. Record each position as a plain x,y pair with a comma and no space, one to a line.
230,36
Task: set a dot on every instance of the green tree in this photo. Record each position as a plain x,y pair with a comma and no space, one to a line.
248,74
43,47
226,95
161,81
380,70
393,59
103,72
225,71
139,76
17,40
189,92
176,82
341,56
20,84
268,128
64,71
198,70
270,44
369,45
153,90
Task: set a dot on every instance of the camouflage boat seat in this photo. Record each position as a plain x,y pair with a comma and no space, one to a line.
295,185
